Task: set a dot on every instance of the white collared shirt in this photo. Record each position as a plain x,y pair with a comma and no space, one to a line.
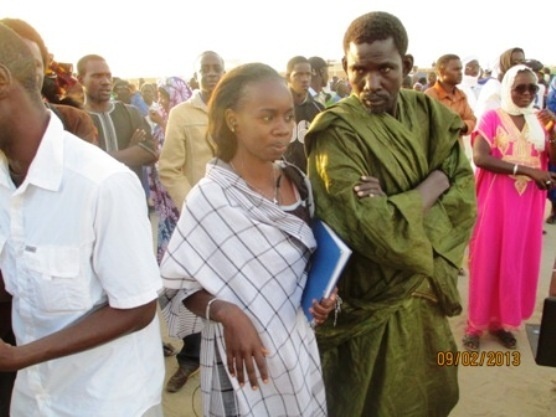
73,237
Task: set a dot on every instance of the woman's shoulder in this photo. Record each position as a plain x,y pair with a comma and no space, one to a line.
492,115
300,180
296,176
206,190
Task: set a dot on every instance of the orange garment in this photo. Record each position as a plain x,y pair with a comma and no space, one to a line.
456,101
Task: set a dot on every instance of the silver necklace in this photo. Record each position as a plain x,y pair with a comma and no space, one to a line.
275,195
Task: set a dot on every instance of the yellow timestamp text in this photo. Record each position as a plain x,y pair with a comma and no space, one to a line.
483,358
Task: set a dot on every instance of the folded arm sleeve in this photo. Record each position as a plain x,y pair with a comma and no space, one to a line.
387,230
123,256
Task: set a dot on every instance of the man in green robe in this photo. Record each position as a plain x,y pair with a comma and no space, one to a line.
382,356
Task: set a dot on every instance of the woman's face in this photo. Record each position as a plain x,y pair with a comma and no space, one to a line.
264,120
524,89
517,58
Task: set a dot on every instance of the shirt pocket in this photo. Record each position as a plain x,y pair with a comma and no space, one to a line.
55,277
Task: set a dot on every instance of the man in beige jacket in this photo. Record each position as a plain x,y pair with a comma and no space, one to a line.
182,161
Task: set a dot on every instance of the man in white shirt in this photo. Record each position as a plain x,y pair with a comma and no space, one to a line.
470,80
76,256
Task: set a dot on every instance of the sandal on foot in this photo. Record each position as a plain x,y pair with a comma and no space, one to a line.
471,342
506,338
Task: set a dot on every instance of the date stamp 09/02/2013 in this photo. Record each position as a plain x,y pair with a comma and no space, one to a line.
483,358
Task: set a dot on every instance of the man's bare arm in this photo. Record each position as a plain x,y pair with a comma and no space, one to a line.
135,156
98,328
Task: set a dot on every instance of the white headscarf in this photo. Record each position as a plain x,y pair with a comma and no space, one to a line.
536,136
470,84
469,80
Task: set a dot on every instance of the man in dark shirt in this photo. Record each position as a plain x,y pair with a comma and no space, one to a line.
306,108
122,131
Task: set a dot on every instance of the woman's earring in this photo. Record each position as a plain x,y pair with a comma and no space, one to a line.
233,128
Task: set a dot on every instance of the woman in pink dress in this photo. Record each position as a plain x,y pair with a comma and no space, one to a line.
511,148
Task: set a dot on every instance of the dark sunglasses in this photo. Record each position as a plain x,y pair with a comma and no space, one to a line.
522,88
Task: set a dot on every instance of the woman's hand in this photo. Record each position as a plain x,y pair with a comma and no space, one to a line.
545,180
321,310
244,349
368,187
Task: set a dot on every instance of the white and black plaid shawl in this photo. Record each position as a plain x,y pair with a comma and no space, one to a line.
244,249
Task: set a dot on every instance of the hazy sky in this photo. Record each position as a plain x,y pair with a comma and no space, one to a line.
163,37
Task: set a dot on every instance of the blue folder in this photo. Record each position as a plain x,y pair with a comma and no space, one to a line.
326,265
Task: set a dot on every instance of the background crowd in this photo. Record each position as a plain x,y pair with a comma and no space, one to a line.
234,165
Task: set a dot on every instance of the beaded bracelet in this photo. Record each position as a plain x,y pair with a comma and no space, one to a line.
207,310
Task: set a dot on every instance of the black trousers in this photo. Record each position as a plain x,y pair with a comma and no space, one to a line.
191,350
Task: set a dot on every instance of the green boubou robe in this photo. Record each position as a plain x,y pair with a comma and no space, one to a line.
380,359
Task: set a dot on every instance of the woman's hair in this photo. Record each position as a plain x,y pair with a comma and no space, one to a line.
50,90
228,95
505,62
377,26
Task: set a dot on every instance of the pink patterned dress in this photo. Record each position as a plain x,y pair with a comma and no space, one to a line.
505,249
178,91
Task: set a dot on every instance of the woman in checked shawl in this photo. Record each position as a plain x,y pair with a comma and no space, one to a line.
239,254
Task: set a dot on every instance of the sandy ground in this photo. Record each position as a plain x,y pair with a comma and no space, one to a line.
524,390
